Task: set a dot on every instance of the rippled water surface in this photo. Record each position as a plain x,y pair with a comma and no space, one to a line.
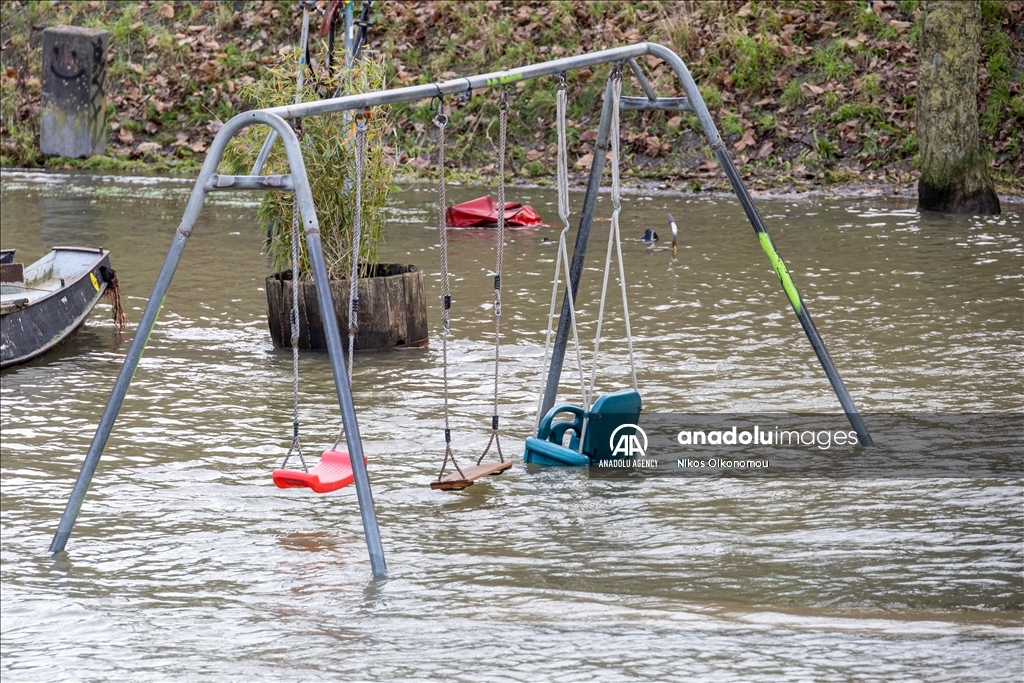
188,564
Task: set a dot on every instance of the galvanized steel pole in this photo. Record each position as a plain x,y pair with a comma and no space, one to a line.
459,85
803,315
138,345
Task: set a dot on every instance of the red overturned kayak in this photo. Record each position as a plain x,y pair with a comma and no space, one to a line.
483,213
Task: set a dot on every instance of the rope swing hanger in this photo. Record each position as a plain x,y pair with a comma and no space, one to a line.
590,430
499,249
562,259
462,478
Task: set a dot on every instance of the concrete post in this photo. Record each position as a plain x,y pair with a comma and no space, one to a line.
74,116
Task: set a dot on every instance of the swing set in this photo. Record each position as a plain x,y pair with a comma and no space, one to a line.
573,441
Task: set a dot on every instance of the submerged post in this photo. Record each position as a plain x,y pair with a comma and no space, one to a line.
73,121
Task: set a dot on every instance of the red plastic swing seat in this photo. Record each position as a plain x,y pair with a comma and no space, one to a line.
333,472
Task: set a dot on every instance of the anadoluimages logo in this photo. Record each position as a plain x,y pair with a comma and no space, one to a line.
628,445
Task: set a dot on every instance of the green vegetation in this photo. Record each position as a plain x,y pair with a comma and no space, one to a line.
732,125
792,95
329,145
868,112
755,62
829,61
827,83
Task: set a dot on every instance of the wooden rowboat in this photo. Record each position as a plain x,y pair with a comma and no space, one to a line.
43,304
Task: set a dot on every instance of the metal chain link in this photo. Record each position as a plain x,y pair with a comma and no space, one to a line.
296,444
502,151
440,121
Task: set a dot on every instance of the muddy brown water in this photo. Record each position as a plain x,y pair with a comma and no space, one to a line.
187,564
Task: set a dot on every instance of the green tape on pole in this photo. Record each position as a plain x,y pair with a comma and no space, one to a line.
780,269
504,79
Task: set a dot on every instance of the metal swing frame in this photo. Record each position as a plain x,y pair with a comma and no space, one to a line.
296,181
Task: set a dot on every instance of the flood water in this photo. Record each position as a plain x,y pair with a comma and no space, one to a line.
186,563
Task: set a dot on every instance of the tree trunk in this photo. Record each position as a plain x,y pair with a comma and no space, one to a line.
954,172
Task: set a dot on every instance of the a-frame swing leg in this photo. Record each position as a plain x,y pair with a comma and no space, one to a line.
206,182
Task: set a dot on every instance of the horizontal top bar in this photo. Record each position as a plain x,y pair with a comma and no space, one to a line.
249,182
660,104
459,85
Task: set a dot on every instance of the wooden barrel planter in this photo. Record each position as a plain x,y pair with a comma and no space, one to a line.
392,310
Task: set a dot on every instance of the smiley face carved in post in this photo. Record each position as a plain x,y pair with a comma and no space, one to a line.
65,64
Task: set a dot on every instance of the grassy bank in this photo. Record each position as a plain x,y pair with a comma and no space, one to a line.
804,93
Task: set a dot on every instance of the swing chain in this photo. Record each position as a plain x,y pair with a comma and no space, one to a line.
357,219
563,200
614,239
616,210
440,121
296,255
502,151
296,444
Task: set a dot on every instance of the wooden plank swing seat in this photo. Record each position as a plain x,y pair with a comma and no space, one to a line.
333,472
469,474
464,477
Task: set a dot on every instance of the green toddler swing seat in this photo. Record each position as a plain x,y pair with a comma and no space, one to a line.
610,411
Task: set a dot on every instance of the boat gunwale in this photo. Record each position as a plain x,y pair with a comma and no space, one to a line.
79,320
39,295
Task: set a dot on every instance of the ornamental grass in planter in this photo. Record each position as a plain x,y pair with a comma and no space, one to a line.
392,304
